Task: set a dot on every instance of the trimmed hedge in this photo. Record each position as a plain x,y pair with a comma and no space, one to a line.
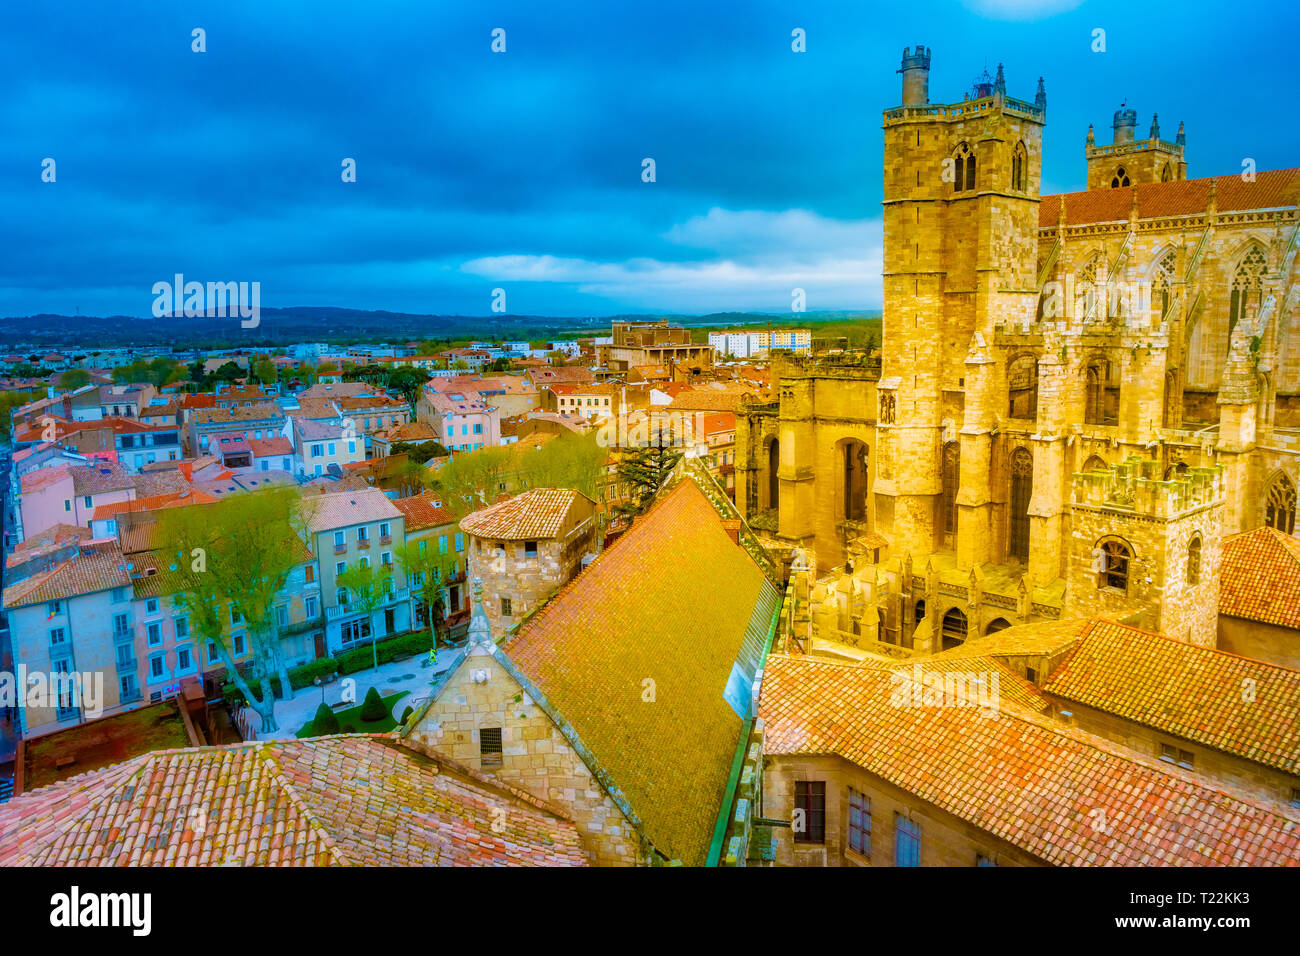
373,708
406,715
325,721
349,662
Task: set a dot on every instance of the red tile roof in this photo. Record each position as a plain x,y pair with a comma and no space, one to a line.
422,513
324,801
537,513
679,603
1271,189
85,574
1260,577
1017,776
1193,692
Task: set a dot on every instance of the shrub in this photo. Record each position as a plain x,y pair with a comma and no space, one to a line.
374,707
406,715
325,721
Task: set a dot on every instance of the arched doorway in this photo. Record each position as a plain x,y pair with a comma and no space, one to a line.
997,624
1022,490
954,628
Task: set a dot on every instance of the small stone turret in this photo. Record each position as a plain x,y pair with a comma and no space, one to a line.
1124,126
916,76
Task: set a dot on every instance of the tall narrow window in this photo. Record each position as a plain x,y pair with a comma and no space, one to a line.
963,169
1022,387
1018,160
948,496
1022,489
1102,393
854,463
1279,505
907,841
1247,288
810,811
1194,561
859,823
1120,179
773,482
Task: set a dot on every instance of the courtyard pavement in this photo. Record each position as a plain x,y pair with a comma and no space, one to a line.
390,678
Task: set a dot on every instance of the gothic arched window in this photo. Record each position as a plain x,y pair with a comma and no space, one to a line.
1018,173
1162,275
773,481
1112,564
1022,387
1279,505
1120,179
954,628
1022,489
1247,288
948,496
964,169
1194,560
1095,463
1167,174
1101,398
854,461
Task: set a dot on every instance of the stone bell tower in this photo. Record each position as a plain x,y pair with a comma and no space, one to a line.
961,197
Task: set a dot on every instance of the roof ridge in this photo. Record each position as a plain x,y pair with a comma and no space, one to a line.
279,779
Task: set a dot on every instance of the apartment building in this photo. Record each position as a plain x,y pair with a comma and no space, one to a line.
318,445
353,527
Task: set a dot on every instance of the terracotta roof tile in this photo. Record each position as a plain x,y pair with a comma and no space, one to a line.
652,608
1189,197
421,512
1260,577
537,513
85,574
1186,690
1016,776
324,801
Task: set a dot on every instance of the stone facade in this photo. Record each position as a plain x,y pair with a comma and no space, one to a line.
945,840
1029,341
516,580
535,756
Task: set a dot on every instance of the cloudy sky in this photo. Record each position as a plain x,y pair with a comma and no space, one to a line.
523,170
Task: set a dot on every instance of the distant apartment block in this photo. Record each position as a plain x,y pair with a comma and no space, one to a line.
746,343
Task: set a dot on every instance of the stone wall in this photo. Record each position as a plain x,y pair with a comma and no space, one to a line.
535,755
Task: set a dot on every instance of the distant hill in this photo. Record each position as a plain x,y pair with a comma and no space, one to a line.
342,327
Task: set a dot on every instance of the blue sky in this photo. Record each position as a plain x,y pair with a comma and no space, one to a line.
522,170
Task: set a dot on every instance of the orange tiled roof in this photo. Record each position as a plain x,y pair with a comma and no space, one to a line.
1192,692
85,574
538,513
1271,189
1260,577
169,499
653,608
422,513
1016,776
324,801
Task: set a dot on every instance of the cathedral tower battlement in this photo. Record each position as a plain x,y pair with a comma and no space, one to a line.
1129,161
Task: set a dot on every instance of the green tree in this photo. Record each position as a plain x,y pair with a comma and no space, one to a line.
11,400
263,369
73,379
429,570
373,707
569,461
369,587
232,559
230,372
643,472
418,452
472,480
408,382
